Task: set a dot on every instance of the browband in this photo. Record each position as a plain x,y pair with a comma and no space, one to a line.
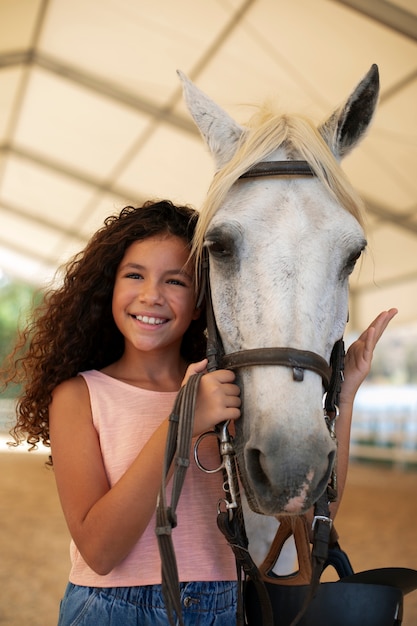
279,168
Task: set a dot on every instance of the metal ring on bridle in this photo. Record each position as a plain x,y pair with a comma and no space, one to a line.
200,466
335,407
226,504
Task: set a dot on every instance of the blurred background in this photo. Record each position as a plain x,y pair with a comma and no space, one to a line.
92,118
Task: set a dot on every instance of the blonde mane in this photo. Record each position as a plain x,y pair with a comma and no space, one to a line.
265,132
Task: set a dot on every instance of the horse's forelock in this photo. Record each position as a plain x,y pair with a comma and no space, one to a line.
266,132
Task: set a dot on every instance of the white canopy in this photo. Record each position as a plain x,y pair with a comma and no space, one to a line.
92,117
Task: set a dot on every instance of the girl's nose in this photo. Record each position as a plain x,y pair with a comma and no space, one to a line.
150,293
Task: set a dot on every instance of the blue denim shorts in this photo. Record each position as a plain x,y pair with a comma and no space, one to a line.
203,603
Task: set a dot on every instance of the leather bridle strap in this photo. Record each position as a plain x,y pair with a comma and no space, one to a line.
298,360
337,363
178,445
279,168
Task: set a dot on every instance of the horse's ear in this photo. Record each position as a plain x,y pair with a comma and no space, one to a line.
219,130
344,129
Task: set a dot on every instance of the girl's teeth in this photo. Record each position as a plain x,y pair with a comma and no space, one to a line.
149,320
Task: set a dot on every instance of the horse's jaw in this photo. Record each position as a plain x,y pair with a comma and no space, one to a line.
285,463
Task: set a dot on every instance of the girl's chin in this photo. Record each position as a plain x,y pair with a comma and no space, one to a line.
155,345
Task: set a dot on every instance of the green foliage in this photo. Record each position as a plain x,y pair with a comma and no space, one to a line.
17,301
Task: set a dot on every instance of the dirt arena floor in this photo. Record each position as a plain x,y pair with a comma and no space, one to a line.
376,524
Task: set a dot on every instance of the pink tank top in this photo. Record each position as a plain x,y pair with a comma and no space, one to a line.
125,417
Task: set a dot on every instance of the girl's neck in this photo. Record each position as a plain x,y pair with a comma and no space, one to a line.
149,373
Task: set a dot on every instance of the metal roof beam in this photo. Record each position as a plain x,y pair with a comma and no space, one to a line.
33,58
401,220
80,176
35,257
387,14
34,218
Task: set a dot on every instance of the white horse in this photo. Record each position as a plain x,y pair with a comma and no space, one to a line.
281,249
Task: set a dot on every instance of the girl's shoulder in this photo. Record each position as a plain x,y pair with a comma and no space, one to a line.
76,382
70,391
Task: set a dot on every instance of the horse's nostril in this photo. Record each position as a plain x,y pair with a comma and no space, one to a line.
255,462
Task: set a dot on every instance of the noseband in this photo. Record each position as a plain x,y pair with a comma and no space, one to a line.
297,360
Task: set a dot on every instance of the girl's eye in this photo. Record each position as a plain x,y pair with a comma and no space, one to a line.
176,281
134,275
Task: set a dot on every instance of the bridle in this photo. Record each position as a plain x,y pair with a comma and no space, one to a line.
180,433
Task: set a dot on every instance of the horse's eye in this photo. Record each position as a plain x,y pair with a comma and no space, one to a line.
219,248
223,241
350,265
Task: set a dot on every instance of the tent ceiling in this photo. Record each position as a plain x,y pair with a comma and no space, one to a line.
92,117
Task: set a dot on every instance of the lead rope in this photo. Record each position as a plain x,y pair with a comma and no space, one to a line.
178,445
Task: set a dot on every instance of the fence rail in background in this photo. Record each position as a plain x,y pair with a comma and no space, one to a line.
384,425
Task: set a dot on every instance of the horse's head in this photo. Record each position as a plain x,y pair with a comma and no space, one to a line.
281,250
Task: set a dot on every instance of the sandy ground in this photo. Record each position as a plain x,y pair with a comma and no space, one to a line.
376,524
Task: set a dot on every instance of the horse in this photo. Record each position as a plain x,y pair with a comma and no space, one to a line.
281,249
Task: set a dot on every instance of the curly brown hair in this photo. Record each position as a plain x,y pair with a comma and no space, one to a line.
73,329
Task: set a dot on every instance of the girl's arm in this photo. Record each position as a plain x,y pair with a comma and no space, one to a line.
105,523
357,366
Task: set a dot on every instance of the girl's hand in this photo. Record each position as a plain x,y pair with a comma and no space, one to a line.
359,356
218,397
357,365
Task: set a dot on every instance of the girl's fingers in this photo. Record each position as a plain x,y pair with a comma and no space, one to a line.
378,326
233,400
384,321
195,368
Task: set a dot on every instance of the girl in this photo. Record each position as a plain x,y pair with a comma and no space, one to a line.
105,359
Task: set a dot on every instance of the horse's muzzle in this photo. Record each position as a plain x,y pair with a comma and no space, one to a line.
289,482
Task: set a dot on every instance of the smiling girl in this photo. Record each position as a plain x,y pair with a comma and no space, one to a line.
107,356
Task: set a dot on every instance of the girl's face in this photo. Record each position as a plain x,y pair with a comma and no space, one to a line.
153,295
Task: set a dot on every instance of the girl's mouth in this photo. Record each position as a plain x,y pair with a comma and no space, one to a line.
152,321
